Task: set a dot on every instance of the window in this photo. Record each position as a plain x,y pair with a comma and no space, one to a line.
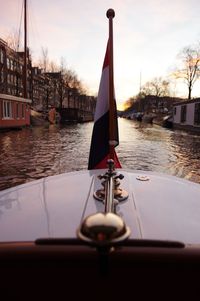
11,65
23,111
17,110
183,113
197,113
2,76
8,63
1,56
7,109
174,110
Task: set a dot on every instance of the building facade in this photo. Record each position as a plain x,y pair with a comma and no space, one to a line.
186,115
14,108
44,90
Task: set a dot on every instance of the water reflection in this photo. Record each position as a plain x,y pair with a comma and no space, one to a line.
154,148
43,151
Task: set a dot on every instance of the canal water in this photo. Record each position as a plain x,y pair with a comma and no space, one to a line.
37,152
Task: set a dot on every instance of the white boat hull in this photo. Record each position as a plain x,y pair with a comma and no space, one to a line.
162,207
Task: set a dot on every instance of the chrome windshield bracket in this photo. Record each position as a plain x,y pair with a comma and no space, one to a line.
119,194
105,229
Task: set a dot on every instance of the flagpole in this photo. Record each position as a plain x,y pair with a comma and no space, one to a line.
112,143
25,49
105,131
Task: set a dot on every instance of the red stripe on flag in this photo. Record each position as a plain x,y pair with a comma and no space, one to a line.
103,164
103,112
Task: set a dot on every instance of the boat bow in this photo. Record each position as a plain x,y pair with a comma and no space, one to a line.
158,207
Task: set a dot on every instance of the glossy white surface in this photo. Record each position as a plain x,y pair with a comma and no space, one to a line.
164,207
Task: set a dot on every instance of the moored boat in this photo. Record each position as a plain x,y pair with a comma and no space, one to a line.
148,117
14,112
168,122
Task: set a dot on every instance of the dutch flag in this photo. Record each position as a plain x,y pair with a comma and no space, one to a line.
101,143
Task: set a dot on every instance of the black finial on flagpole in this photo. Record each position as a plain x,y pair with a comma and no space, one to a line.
110,13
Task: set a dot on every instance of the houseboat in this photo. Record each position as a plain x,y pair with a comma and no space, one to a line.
14,112
186,115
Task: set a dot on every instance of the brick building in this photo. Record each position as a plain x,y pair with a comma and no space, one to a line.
14,109
43,91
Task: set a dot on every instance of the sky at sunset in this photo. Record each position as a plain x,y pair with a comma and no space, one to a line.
148,35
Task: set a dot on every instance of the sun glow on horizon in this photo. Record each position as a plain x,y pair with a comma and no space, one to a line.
120,106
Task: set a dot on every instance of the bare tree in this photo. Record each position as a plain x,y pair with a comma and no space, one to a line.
189,70
157,87
13,40
44,60
53,67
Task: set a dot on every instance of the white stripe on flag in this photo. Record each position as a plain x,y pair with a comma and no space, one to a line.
102,105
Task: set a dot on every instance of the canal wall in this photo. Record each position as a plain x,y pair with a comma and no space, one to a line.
74,115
